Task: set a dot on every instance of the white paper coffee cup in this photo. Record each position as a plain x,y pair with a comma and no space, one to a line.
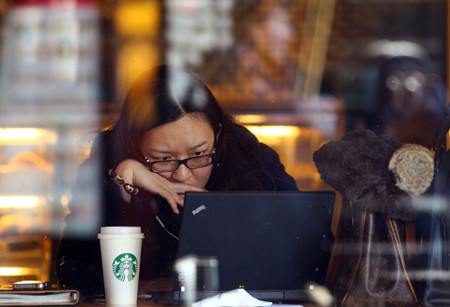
121,255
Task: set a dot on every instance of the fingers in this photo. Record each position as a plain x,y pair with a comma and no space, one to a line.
173,199
174,194
136,174
181,188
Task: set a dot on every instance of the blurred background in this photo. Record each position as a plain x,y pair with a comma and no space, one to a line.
297,73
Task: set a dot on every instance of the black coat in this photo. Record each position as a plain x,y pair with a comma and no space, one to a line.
78,262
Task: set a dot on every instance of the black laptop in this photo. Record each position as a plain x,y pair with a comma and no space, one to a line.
272,244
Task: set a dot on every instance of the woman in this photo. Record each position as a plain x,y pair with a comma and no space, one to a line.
172,137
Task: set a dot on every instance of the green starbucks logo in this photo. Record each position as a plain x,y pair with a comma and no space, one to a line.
125,267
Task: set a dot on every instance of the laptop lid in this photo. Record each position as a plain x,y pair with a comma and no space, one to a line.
265,242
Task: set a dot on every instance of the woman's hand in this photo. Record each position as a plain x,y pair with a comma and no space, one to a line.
138,175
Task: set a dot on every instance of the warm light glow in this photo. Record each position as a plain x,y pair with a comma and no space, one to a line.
10,271
19,133
250,118
20,201
272,131
133,59
138,18
65,201
18,271
26,135
15,271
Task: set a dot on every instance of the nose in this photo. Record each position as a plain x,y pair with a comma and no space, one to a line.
182,174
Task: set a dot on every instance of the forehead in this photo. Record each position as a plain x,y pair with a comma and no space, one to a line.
182,134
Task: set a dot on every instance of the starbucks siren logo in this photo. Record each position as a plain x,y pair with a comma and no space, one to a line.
125,267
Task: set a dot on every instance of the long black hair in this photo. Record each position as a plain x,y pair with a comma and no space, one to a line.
159,96
165,94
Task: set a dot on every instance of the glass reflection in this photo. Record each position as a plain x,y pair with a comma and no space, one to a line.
48,103
317,68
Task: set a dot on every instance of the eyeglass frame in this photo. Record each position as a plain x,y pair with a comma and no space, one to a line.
180,162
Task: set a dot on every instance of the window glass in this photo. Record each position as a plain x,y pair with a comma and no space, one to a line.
297,74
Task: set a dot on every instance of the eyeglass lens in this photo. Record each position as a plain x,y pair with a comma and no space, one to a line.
194,162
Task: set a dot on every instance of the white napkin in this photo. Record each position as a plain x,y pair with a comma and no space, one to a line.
233,298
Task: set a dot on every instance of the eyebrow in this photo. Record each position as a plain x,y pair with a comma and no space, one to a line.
168,152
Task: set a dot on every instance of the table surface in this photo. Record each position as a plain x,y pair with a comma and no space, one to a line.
146,303
152,285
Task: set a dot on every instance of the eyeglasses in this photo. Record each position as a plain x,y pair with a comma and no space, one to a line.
172,165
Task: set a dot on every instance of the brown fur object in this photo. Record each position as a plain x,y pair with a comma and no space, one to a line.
357,166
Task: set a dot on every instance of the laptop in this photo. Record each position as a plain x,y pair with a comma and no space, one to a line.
272,244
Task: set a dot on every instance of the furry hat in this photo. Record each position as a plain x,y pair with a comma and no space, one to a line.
357,166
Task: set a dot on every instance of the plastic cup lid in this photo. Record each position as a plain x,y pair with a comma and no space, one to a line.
123,230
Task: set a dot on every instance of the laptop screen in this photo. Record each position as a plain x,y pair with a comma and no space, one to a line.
262,240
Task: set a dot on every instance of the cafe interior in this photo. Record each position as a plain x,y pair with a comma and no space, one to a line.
297,74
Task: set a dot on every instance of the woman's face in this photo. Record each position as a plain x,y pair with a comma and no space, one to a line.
187,137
